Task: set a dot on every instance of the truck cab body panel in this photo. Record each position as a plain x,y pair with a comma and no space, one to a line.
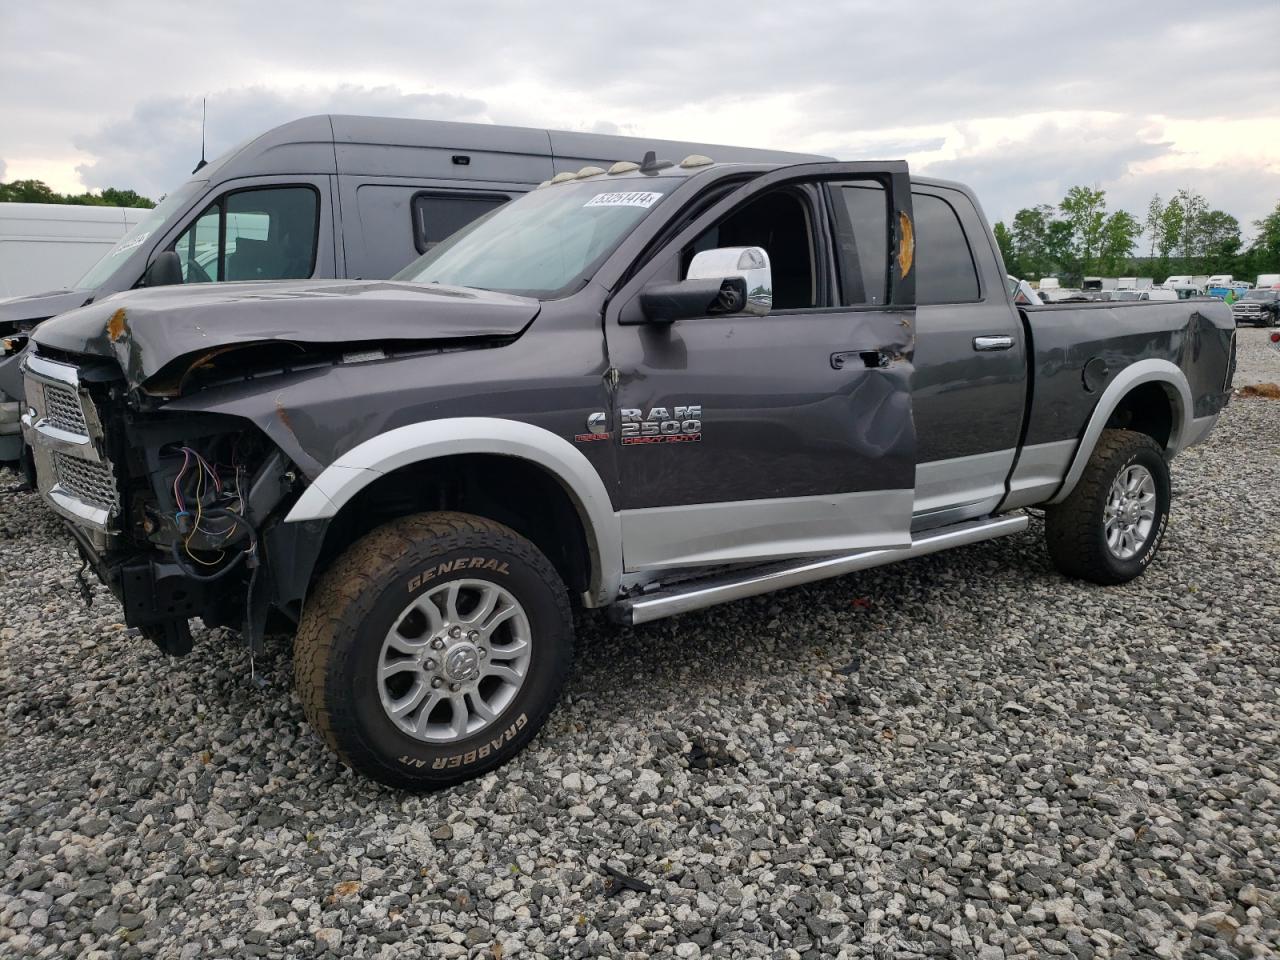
804,441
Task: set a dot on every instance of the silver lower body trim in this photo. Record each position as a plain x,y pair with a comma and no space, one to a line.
779,576
751,531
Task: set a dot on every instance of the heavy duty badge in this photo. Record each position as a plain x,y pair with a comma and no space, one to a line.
662,425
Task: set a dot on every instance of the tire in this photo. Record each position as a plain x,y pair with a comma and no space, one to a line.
372,609
1076,530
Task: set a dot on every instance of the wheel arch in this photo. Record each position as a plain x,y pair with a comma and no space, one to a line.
529,455
1153,397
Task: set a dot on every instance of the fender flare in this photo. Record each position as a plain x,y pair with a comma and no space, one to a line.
1134,375
414,443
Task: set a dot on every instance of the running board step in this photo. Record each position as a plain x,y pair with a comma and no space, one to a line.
778,576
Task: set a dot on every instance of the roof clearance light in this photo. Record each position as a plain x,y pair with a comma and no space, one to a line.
624,166
589,172
562,177
695,160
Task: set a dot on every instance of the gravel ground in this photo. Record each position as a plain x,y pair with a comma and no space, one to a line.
959,756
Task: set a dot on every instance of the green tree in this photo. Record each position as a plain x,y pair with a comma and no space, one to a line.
1154,224
1218,239
1170,230
1194,208
1120,234
37,191
1030,237
1008,250
1086,211
1266,245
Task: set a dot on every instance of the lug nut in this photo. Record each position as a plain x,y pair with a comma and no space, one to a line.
429,664
437,682
473,636
455,687
455,632
483,652
437,644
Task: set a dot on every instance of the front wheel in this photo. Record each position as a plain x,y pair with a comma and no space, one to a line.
1109,527
433,649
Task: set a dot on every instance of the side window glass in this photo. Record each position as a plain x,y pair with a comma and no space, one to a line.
197,248
946,272
780,222
436,217
271,234
862,232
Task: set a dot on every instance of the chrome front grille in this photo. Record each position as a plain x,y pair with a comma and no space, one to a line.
63,410
62,427
85,480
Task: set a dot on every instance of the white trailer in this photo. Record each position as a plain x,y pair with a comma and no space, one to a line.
1268,280
49,246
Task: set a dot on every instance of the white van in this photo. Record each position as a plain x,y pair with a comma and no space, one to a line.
47,246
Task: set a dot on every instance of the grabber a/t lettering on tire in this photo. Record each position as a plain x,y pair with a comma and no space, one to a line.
1109,527
433,649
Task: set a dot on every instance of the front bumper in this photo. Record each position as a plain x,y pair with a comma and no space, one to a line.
152,590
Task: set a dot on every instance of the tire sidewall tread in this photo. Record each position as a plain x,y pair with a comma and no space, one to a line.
1074,531
356,599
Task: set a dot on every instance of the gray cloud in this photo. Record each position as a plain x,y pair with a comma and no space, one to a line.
156,146
1053,158
123,84
3,168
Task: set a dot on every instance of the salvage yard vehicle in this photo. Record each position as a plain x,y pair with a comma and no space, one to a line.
645,390
321,197
1260,308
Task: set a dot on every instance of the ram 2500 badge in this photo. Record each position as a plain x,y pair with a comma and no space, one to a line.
645,390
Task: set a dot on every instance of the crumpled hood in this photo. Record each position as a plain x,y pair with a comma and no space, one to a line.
146,329
38,306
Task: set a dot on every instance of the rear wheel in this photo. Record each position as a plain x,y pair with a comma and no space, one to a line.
433,649
1110,526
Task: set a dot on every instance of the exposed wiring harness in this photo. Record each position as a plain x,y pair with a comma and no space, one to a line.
200,497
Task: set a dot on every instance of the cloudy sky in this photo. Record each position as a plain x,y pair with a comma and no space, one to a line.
1020,99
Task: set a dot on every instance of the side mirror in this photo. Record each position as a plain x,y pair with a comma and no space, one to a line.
165,270
723,281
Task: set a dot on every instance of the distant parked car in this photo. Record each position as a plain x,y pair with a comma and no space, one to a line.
1260,308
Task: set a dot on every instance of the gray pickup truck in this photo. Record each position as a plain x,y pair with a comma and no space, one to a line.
646,390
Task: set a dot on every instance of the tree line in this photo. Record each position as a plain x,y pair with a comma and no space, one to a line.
37,191
1079,238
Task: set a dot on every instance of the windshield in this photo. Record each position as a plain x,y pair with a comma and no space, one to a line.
1262,295
112,260
545,244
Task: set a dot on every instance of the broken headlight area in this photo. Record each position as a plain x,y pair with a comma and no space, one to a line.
202,490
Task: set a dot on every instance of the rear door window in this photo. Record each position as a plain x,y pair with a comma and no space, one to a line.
436,217
945,267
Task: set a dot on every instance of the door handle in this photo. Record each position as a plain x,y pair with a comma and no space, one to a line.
993,341
872,359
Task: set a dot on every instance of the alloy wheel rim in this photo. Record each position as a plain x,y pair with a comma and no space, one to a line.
1129,517
454,660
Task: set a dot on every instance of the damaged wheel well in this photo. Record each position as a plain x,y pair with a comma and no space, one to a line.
522,495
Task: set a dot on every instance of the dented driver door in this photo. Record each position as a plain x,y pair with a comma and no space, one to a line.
743,438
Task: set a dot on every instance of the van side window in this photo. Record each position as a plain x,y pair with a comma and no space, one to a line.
259,234
945,267
436,216
861,214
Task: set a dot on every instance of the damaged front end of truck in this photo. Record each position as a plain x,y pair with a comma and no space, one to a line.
175,504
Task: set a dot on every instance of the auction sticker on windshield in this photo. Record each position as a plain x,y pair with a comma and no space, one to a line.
638,198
